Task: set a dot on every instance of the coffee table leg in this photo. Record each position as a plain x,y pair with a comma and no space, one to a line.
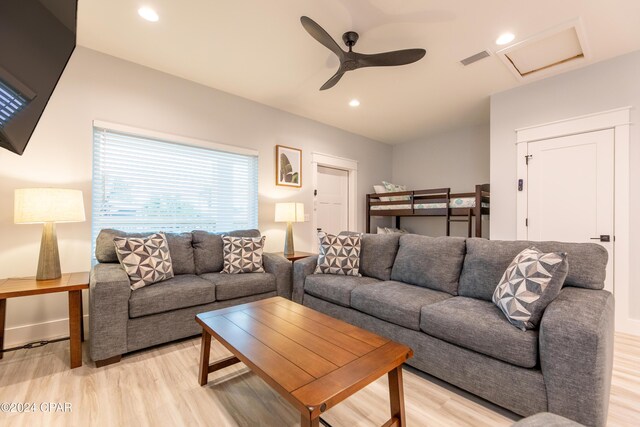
305,421
75,321
396,396
205,350
3,313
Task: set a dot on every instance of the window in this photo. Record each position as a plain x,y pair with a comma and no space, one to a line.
149,184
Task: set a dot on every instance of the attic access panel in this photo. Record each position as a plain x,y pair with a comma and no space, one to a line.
549,53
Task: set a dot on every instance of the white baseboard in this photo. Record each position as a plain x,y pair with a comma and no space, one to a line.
21,335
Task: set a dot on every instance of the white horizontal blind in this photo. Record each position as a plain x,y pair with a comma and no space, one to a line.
144,184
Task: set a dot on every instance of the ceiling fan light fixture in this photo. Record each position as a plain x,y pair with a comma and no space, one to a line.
148,14
505,38
354,103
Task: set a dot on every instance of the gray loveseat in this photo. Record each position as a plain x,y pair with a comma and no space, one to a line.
122,320
434,295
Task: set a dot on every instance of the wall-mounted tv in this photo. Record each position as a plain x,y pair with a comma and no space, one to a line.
37,38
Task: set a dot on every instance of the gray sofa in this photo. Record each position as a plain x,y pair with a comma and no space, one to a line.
122,320
434,295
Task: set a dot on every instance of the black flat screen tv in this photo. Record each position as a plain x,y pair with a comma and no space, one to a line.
37,38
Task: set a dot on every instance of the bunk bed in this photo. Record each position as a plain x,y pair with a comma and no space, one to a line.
435,202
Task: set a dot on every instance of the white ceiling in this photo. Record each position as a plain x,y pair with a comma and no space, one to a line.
258,49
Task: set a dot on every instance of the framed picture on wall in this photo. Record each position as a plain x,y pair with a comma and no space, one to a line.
288,166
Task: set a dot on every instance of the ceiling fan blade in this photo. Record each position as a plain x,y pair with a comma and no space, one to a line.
318,33
333,80
387,59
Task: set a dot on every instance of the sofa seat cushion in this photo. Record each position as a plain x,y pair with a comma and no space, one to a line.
231,286
334,288
480,326
395,302
184,290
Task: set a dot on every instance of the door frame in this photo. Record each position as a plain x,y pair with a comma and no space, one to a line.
335,162
619,120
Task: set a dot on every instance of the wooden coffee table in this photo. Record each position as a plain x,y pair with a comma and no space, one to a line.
314,361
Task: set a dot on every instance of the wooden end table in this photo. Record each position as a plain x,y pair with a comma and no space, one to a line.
73,283
296,255
312,360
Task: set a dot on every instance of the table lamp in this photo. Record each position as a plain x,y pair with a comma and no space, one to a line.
48,206
289,213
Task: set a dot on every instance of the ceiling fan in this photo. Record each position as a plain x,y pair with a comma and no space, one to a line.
350,60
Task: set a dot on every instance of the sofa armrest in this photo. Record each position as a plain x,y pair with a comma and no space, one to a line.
281,268
109,292
301,269
576,354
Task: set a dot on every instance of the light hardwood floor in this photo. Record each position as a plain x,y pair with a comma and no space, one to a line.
159,387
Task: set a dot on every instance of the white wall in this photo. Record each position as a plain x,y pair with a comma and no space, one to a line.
458,159
98,86
603,86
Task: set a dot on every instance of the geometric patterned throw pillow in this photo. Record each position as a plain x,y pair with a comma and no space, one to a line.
339,254
242,254
146,260
530,283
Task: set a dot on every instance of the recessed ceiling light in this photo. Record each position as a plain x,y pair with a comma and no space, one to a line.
354,103
505,38
148,14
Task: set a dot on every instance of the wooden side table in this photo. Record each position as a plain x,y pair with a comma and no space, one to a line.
73,283
296,256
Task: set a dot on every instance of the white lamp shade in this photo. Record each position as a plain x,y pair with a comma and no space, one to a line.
289,212
40,205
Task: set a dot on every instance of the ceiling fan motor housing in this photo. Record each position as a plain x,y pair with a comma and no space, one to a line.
350,38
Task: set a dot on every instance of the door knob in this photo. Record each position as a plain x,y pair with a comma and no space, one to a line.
602,238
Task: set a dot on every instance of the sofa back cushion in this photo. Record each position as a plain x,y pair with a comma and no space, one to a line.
487,260
180,248
432,262
207,249
377,254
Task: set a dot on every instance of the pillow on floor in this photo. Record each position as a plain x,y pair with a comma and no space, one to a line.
530,283
242,254
339,254
146,260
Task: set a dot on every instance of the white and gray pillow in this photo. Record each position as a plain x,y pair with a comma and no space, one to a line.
391,230
146,260
339,254
394,188
379,189
530,283
242,254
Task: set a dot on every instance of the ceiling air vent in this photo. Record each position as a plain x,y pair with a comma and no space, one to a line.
551,52
474,58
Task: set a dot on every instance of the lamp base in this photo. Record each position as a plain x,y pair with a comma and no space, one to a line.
49,260
288,241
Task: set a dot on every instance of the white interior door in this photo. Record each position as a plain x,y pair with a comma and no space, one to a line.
571,190
332,200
